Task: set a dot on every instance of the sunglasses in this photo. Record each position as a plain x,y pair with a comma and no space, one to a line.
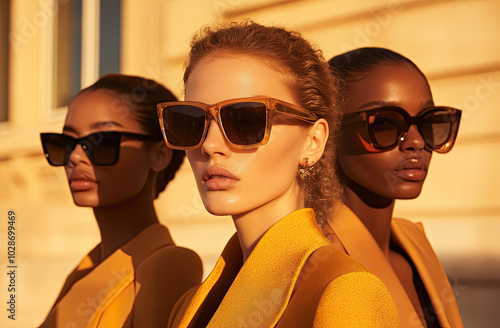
245,122
102,148
386,127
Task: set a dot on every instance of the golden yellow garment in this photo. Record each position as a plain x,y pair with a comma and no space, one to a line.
410,237
134,279
334,290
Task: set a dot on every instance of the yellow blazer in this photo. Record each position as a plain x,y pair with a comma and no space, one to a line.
132,280
334,290
410,237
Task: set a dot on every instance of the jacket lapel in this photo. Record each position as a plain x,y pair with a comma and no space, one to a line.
88,297
262,289
427,264
361,246
259,292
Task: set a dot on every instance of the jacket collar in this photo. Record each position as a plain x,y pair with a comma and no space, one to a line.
259,292
93,292
357,240
360,245
429,269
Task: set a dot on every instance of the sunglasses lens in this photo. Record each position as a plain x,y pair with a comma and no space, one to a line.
437,127
244,123
102,147
57,148
184,125
386,127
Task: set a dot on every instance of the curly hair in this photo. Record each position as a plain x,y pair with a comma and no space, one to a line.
140,95
303,69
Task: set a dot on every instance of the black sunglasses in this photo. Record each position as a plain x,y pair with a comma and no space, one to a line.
245,122
386,127
102,148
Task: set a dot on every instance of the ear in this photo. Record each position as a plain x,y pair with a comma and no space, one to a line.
159,156
316,141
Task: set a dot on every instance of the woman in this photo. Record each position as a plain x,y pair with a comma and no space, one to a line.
254,125
117,163
390,129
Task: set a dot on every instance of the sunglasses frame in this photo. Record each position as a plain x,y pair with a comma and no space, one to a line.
272,106
364,116
89,139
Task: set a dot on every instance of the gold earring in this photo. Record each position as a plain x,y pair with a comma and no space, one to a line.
305,171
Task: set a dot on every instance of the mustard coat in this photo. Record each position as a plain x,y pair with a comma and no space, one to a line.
410,237
334,290
134,279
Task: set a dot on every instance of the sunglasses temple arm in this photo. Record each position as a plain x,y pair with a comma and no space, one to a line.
305,116
354,118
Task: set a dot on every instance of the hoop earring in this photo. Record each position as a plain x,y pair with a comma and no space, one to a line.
305,170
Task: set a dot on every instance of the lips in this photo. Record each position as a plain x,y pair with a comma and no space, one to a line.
81,180
412,169
218,178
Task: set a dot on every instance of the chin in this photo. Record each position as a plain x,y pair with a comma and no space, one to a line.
407,194
222,207
85,203
82,201
218,210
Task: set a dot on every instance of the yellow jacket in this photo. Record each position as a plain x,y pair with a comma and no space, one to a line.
410,237
334,290
137,285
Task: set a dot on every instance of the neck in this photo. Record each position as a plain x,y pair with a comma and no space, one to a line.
375,214
120,223
252,225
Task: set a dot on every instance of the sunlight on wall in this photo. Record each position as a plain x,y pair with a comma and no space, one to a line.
455,43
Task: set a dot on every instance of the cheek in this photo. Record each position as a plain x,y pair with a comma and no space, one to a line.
197,162
279,161
362,168
372,171
125,179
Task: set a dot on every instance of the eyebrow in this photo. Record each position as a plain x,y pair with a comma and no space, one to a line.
97,125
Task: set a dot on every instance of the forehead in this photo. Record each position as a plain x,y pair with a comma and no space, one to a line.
226,76
392,84
100,109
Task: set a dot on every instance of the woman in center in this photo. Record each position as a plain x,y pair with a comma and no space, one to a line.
259,108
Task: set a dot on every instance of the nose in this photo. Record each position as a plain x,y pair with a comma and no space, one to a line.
78,155
413,140
214,142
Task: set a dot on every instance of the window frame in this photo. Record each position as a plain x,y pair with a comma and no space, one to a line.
5,13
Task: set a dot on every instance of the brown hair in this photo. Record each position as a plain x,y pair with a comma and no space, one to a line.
138,96
306,73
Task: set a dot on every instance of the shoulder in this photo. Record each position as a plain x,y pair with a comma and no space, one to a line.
170,261
357,299
333,262
160,280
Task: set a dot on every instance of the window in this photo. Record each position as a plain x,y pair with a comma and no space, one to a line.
109,40
83,43
4,59
67,60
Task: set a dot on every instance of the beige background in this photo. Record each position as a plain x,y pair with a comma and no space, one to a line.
456,43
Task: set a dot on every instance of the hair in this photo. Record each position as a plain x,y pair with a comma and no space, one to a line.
357,63
140,96
304,71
